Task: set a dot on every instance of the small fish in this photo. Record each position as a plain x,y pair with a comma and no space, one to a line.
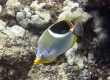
56,40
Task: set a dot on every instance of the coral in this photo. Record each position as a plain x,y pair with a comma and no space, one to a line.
73,12
2,25
97,3
39,19
16,56
0,8
18,31
10,3
98,27
26,2
23,21
8,15
91,57
108,78
78,58
20,16
71,51
62,72
85,74
28,14
14,31
9,33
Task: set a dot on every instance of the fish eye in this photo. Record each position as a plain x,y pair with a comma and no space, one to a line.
42,56
39,56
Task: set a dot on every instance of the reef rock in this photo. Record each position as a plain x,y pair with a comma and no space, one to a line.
10,3
14,31
16,54
73,12
2,25
0,8
39,19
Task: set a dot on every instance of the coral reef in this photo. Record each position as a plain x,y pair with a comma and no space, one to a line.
72,11
97,3
23,21
40,18
14,31
14,53
98,27
2,25
0,8
10,3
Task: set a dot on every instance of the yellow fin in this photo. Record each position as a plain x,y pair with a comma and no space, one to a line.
75,39
42,61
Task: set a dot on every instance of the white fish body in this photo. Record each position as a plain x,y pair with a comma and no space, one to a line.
53,43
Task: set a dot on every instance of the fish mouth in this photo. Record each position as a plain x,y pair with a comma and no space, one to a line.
36,61
42,61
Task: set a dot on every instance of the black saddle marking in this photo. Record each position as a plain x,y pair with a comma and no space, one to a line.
60,27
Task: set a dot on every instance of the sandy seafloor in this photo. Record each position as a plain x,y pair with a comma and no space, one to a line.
23,21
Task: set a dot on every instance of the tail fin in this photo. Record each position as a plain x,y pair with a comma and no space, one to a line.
78,30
